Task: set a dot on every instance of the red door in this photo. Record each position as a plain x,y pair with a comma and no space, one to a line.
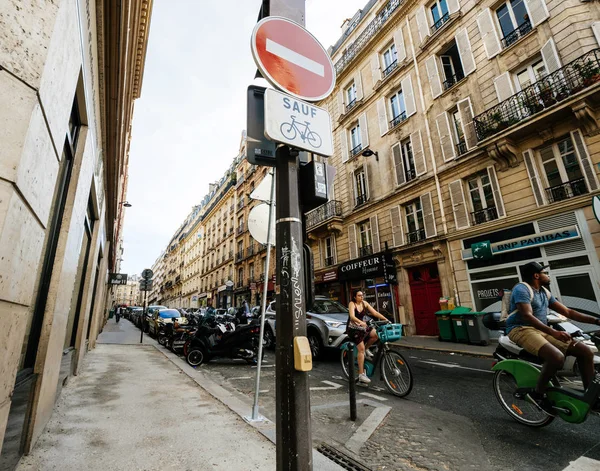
425,291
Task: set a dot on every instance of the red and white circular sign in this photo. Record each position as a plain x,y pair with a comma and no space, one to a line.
292,59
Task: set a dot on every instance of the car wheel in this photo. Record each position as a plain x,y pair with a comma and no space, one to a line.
316,345
269,338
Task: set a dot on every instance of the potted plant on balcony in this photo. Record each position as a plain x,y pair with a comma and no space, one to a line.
589,72
546,95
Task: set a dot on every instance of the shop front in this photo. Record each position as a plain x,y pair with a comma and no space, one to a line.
258,289
240,294
327,284
376,276
563,242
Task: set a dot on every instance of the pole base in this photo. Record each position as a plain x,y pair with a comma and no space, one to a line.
259,419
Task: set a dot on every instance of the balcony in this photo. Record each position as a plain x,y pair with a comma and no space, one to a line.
351,105
484,215
356,150
516,34
461,148
240,204
240,180
415,236
451,81
577,75
365,250
325,212
250,251
329,261
398,119
439,23
240,284
410,174
263,247
389,69
566,190
241,228
240,256
360,200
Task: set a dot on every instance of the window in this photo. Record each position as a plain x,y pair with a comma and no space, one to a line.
530,74
458,131
364,230
452,69
414,222
390,60
514,21
240,282
562,171
329,251
351,96
482,198
251,271
355,140
439,14
360,186
407,160
398,108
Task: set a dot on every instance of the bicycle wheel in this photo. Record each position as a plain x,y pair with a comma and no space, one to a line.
521,410
344,359
396,373
288,130
314,139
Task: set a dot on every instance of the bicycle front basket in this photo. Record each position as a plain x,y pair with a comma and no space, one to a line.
389,332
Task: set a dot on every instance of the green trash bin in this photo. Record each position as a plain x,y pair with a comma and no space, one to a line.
444,322
459,323
478,333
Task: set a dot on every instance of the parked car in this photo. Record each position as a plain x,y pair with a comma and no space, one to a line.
161,317
132,311
149,313
326,325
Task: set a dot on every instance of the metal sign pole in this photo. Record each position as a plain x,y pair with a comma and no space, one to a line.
255,415
293,426
143,318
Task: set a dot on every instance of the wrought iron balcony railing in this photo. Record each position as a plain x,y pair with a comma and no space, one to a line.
461,148
240,256
250,251
452,80
484,215
368,33
329,261
410,174
365,250
351,105
567,190
361,199
516,34
415,236
439,23
577,75
389,69
323,213
398,119
240,204
241,228
356,150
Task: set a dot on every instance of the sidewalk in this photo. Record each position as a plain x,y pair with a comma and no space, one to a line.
420,342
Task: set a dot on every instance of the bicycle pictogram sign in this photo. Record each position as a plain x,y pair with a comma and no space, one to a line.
291,130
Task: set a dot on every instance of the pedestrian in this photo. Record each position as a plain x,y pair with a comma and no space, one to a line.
247,313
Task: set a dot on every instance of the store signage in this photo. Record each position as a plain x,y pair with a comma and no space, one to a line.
381,264
221,288
532,240
117,278
330,276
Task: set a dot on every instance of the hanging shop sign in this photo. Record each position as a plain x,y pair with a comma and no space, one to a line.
372,266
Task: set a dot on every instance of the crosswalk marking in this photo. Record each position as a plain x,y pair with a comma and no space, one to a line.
583,464
331,385
374,396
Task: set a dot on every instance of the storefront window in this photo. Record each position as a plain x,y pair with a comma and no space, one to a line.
577,292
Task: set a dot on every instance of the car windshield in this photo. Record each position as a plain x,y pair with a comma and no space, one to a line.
327,306
169,313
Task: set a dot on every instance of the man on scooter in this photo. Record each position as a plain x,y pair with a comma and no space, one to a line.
528,327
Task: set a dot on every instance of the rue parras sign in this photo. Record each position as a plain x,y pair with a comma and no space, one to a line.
301,125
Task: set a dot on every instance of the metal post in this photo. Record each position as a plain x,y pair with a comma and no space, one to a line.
352,380
143,319
293,426
255,415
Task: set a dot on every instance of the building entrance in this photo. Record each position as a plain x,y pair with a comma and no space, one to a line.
425,292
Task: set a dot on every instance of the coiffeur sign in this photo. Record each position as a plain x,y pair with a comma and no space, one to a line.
372,266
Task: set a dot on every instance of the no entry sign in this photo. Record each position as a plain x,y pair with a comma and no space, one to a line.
291,59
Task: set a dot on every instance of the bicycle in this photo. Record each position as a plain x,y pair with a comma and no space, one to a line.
395,371
291,130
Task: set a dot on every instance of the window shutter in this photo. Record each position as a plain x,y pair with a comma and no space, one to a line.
422,24
465,52
359,87
596,30
322,252
444,131
453,6
396,219
434,76
550,56
459,208
416,143
352,241
428,216
367,192
409,96
538,11
352,183
382,115
398,164
340,103
504,86
364,130
584,159
465,110
496,190
375,70
375,243
489,34
534,177
400,49
344,145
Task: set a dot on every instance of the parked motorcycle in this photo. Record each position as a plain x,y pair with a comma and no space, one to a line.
212,339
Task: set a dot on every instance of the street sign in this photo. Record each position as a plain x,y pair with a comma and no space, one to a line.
146,285
258,224
259,150
482,250
292,59
596,207
147,274
117,278
297,123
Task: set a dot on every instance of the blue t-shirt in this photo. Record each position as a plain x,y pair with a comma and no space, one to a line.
539,305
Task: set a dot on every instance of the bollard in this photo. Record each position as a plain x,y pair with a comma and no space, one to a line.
352,381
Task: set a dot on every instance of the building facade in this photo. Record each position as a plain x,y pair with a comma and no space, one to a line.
128,294
65,83
480,119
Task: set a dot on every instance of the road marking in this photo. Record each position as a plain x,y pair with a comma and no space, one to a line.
240,377
331,384
364,432
583,464
336,377
377,388
263,391
374,396
448,365
264,366
295,58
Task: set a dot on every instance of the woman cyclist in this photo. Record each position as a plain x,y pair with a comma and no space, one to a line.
358,331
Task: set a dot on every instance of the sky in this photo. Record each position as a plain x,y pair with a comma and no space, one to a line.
188,121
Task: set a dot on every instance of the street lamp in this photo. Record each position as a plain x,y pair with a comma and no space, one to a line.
127,204
369,153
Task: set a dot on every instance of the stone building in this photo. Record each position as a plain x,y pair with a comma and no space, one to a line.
458,122
69,74
155,295
128,294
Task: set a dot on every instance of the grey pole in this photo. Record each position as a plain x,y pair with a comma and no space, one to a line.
255,416
143,319
293,425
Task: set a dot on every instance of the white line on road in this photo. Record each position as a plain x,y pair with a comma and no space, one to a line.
295,58
583,464
358,439
240,377
377,388
448,365
266,366
374,396
331,384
